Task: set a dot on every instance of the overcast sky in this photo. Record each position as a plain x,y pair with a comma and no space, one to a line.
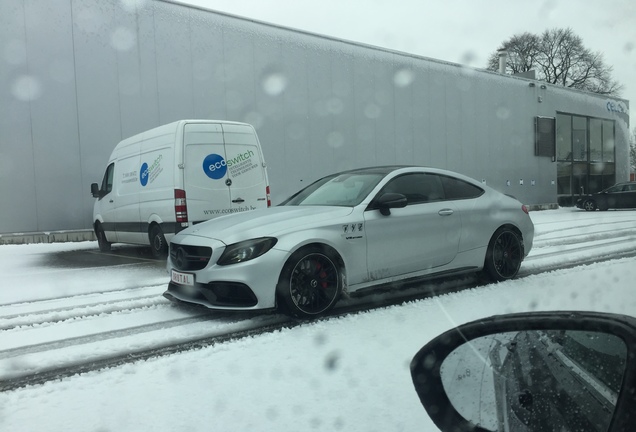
459,31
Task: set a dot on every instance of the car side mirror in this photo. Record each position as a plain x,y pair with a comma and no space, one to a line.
95,190
531,372
388,201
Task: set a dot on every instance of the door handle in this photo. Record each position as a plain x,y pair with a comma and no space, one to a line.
238,200
445,212
110,201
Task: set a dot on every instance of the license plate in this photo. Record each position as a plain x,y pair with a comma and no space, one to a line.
182,278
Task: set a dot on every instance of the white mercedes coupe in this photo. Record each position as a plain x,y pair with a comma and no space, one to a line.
347,232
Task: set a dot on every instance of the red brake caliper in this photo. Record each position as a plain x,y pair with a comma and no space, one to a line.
322,275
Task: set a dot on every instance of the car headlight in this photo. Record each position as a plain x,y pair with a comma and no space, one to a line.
246,250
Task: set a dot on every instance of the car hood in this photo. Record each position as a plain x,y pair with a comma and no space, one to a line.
268,222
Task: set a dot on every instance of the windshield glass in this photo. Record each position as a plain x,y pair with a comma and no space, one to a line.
614,189
347,189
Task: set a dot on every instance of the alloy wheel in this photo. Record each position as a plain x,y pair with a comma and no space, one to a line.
314,283
506,254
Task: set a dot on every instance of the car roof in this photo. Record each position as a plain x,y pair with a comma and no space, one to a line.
379,169
387,169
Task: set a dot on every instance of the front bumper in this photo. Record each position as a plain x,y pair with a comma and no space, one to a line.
215,294
244,286
580,203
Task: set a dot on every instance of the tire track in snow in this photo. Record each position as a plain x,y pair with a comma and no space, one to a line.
100,336
75,307
616,245
589,237
119,359
578,231
47,304
59,315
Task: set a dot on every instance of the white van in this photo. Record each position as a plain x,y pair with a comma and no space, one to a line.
163,180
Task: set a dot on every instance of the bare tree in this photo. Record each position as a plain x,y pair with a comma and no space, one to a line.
522,50
558,56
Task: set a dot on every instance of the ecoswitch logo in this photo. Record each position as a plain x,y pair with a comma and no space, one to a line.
150,173
144,174
215,166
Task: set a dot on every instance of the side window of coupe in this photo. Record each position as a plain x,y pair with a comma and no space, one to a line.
417,188
458,189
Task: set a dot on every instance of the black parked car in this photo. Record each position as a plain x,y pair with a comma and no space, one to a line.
621,195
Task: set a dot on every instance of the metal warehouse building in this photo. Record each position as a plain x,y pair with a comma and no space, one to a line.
78,76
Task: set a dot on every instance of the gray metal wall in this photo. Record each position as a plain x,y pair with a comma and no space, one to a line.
77,76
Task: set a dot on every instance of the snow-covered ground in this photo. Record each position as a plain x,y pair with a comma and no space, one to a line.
348,373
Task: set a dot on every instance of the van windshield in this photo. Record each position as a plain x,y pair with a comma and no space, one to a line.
346,190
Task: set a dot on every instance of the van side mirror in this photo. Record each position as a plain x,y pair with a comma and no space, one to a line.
531,372
95,190
388,201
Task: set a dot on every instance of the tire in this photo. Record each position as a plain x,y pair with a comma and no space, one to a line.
589,205
504,255
310,283
158,244
102,242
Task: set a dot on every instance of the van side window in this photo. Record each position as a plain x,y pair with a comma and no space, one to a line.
107,182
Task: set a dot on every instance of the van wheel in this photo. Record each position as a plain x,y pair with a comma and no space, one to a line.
104,245
158,243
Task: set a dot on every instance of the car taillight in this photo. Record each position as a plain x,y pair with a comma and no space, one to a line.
180,206
269,199
525,209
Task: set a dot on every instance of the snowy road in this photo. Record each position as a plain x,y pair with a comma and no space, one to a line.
58,321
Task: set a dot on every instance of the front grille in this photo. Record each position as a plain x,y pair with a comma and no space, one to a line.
189,258
229,294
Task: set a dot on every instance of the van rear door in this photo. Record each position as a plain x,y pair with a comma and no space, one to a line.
246,175
223,170
205,171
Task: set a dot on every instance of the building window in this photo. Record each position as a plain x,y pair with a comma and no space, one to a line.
544,141
585,155
579,138
564,137
608,141
596,140
564,178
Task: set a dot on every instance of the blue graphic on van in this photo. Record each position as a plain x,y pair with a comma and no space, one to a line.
144,174
149,174
214,166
